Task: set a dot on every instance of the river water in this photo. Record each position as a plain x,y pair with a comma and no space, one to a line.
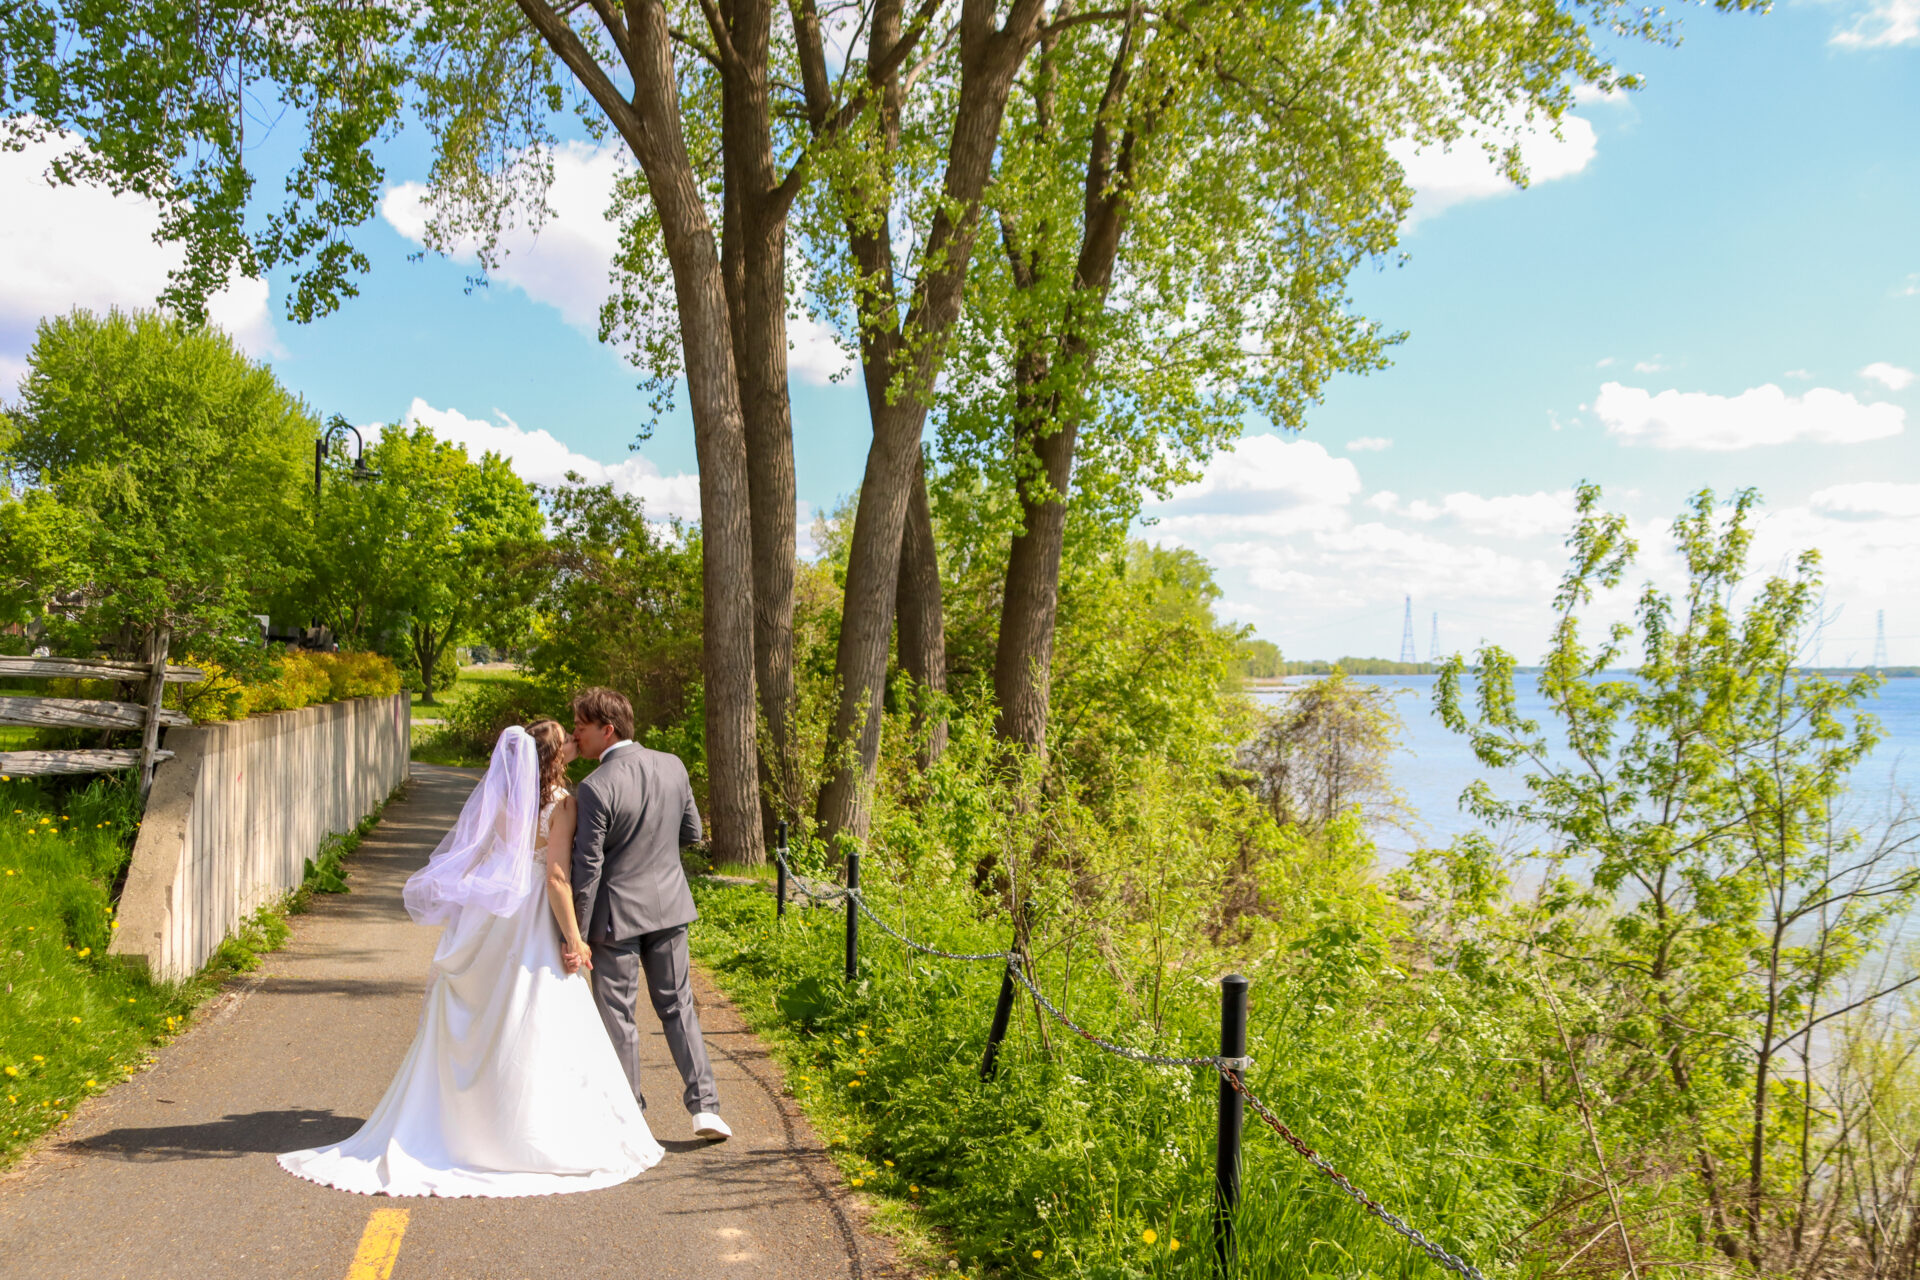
1433,766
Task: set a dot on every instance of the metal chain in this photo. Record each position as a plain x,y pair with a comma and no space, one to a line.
1133,1055
1230,1069
1314,1158
860,901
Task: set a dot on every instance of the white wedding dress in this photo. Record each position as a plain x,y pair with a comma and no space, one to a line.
511,1087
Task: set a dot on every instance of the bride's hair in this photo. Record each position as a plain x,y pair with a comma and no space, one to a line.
548,737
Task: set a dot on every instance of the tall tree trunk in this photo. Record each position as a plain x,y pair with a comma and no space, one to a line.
900,358
650,125
754,263
1023,659
920,626
1050,425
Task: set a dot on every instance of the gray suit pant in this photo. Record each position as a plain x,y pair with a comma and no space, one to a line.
662,957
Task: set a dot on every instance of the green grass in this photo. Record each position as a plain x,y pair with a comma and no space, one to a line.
1076,1163
471,680
72,1021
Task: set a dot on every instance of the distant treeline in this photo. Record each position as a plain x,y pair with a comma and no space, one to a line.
1261,660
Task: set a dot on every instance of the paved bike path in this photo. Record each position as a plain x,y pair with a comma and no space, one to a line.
173,1173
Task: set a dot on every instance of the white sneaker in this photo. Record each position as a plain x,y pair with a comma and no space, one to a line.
708,1125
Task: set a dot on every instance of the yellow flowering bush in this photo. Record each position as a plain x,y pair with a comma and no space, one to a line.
297,679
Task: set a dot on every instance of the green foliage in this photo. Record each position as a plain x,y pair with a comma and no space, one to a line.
283,680
1705,907
1256,659
157,480
72,1022
621,608
435,551
471,725
155,99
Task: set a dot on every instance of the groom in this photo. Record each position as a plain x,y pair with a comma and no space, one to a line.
635,812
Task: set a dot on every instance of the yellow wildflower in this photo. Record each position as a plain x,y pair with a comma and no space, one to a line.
76,1021
84,951
887,1163
1172,1245
851,1084
913,1189
93,1084
13,1071
1149,1235
38,1058
1038,1255
859,1182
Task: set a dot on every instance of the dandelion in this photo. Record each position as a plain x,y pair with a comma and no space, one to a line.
887,1163
860,1033
13,1071
84,952
1149,1235
93,1084
76,1021
38,1058
859,1182
912,1188
1173,1246
851,1084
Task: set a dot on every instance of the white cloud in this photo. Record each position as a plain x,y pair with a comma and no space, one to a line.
1649,366
1265,485
1515,515
1603,362
1869,498
1885,23
1890,376
1368,444
1445,176
67,247
1800,374
1760,416
567,263
537,456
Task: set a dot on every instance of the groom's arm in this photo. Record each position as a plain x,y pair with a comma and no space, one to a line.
689,814
589,853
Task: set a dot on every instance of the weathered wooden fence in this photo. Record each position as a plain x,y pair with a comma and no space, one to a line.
88,713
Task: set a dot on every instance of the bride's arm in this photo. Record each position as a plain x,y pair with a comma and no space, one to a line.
560,879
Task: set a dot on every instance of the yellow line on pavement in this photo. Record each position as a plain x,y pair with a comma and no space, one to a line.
379,1245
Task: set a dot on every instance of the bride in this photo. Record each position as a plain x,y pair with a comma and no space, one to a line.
511,1087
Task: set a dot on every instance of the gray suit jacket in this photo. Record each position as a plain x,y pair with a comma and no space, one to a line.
635,812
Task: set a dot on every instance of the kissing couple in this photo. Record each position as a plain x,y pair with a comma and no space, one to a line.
524,1077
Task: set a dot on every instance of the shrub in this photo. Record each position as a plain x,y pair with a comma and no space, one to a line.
287,681
473,723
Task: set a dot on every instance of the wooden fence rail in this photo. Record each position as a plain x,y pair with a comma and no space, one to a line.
89,713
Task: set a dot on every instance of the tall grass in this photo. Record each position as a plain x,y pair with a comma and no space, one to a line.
1075,1162
72,1022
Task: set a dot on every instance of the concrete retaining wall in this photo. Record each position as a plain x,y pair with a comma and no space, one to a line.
236,813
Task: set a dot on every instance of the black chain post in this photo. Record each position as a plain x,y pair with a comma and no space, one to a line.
780,872
853,914
1226,1159
1002,1013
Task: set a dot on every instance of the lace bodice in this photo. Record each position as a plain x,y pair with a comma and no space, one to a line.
546,823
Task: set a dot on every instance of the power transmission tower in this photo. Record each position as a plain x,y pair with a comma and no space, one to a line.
1879,639
1406,636
1433,641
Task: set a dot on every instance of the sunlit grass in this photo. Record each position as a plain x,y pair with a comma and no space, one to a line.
72,1021
1072,1162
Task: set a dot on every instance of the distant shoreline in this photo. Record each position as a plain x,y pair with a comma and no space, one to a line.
1381,667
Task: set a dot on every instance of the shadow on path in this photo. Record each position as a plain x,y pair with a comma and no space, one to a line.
223,1139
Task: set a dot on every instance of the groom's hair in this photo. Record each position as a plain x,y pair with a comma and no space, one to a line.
604,706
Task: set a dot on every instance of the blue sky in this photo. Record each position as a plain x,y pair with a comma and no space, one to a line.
1712,282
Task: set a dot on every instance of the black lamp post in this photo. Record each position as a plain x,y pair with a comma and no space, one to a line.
361,471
